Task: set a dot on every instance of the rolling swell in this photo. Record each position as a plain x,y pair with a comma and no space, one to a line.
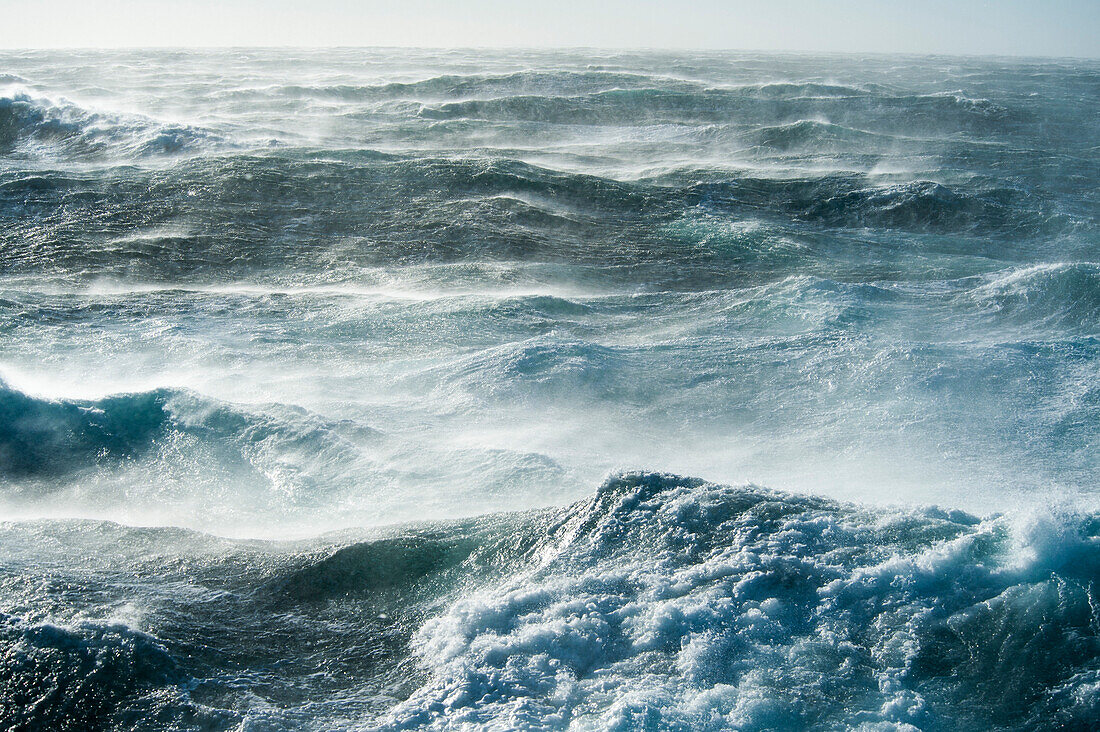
469,86
632,106
214,219
917,206
804,133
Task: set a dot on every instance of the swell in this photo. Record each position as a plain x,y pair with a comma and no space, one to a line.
550,84
903,114
851,201
813,134
215,219
464,86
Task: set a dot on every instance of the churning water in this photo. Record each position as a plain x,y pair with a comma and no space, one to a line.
353,390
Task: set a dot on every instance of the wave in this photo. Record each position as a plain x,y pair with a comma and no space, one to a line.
174,456
467,87
367,568
416,209
613,106
91,676
42,439
917,205
31,125
855,201
752,106
566,83
682,604
797,90
806,132
1062,295
660,600
542,366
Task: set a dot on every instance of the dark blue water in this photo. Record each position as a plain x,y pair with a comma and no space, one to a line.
314,367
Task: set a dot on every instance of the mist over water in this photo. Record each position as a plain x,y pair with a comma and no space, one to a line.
355,389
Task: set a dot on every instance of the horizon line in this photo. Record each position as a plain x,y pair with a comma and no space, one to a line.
620,49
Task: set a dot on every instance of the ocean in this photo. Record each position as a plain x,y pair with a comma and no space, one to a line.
402,389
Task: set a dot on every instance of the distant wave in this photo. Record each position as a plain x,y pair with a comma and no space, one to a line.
745,105
1061,294
921,205
796,90
465,86
566,86
43,438
29,124
495,209
808,132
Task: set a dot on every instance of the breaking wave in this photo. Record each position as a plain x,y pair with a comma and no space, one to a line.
673,603
1061,295
31,125
659,601
48,438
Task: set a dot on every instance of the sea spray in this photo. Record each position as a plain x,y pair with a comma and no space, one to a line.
315,364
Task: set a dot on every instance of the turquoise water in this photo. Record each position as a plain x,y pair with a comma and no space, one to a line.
353,389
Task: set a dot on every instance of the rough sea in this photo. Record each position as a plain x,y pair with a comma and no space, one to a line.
398,389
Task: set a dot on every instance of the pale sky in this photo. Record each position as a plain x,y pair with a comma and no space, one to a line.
1005,27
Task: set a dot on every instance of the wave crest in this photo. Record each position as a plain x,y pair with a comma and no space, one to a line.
679,603
169,435
31,125
1064,294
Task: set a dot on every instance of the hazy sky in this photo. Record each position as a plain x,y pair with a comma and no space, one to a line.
1014,27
